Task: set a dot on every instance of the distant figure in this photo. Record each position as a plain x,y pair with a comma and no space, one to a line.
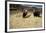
24,13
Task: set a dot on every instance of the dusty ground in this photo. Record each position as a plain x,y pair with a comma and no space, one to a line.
17,21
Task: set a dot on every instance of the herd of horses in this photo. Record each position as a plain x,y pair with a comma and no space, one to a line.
36,13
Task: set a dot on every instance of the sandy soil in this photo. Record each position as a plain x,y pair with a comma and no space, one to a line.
17,21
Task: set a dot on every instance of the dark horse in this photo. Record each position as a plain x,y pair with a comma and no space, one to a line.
37,13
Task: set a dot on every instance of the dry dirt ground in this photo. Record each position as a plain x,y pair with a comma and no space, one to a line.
17,21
